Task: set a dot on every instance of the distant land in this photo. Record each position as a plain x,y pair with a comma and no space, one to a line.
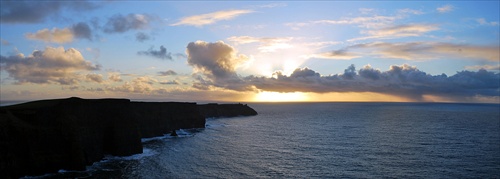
49,135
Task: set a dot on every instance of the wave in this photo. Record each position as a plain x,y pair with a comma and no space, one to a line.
145,153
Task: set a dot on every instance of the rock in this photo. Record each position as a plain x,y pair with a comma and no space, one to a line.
173,133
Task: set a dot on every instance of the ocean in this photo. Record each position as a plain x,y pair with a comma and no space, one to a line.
323,140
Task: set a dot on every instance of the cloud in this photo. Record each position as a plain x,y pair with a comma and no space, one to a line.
364,21
486,67
120,23
65,35
82,30
335,55
410,11
5,42
483,21
55,35
366,10
398,31
173,82
167,73
141,37
53,65
404,80
272,5
142,84
445,8
216,64
92,77
211,18
416,51
37,11
267,44
217,61
161,54
370,20
115,77
375,21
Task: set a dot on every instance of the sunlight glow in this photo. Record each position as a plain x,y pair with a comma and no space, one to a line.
280,97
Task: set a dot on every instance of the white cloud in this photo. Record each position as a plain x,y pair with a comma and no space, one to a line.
445,8
267,44
272,5
53,65
55,35
211,18
115,77
410,11
375,21
92,77
486,67
65,35
483,21
367,22
408,30
366,10
143,84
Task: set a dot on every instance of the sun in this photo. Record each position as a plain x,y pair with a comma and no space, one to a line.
267,96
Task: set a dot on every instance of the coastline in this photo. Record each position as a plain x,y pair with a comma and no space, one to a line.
69,134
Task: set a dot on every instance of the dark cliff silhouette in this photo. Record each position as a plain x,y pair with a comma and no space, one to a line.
48,135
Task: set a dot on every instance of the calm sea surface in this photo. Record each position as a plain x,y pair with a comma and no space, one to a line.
325,140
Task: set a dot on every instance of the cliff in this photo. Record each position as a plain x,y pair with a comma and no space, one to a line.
158,118
226,110
46,136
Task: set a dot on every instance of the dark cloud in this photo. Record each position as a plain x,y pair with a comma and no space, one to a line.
218,62
82,30
167,73
369,73
161,54
179,55
141,37
120,23
350,72
53,65
173,82
405,81
216,66
38,11
304,72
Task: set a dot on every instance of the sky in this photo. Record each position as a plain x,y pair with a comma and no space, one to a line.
251,51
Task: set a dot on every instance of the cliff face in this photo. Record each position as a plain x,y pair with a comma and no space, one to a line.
65,134
158,118
46,136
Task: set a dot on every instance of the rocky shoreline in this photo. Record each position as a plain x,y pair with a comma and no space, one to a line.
45,136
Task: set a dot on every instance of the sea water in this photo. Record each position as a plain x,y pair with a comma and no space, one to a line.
324,140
